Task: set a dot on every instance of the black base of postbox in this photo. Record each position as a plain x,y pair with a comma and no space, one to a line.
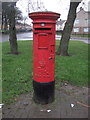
43,92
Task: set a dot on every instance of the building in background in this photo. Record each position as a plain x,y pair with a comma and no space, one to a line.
60,25
21,26
82,22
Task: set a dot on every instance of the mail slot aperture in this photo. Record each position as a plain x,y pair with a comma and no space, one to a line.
42,28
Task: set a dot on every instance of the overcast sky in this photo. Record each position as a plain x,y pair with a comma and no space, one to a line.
59,6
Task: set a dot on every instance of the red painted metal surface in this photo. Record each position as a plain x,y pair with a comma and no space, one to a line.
44,45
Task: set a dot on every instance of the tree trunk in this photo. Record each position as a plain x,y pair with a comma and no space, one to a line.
64,43
2,22
6,23
12,32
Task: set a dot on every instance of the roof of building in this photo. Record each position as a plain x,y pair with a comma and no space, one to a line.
19,23
81,9
60,22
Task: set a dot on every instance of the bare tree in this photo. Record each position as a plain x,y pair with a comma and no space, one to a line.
24,19
5,18
12,28
64,43
9,12
36,5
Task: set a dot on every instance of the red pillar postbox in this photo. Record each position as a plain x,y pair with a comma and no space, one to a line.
44,55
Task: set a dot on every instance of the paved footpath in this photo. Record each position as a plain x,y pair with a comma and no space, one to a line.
70,102
83,39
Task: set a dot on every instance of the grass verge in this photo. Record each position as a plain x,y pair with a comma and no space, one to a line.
83,35
73,68
17,69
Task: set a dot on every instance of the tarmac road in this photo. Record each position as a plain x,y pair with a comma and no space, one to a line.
29,36
20,36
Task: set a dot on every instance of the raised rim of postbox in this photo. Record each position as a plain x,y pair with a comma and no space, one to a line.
44,15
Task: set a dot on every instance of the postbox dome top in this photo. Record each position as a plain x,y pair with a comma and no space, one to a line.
44,15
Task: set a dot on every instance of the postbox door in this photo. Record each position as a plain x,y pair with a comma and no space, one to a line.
44,59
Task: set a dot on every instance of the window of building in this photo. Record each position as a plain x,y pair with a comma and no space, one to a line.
87,21
76,29
86,30
76,21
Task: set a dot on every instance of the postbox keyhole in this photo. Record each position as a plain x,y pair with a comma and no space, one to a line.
50,58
